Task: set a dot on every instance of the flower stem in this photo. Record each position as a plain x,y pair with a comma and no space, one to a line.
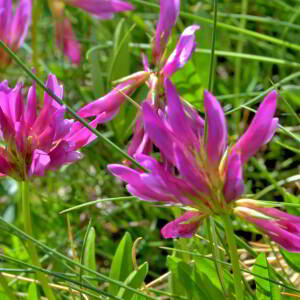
237,277
35,11
31,247
213,46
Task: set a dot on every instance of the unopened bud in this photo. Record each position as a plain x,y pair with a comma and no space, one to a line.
248,212
137,78
255,203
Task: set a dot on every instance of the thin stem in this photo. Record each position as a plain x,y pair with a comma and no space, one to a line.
238,66
8,290
212,58
213,46
31,247
35,11
237,277
68,108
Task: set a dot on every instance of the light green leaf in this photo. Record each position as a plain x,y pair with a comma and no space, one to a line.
32,292
121,265
119,61
183,275
134,280
292,259
261,268
89,258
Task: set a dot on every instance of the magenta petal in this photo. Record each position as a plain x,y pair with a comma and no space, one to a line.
279,233
124,173
278,214
169,11
40,161
140,142
158,133
16,103
30,114
5,19
81,136
234,182
20,23
102,8
4,86
108,103
260,130
183,51
188,169
176,117
66,40
272,130
217,131
136,185
56,88
6,129
179,187
63,154
185,226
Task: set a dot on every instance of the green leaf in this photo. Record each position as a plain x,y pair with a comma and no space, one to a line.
134,280
89,259
121,265
275,290
292,259
205,266
119,61
211,290
32,292
3,296
182,273
96,72
261,268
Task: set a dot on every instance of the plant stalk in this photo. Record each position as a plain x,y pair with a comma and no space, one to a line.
35,12
237,276
31,247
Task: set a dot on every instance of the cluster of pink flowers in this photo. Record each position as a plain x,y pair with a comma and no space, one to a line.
14,28
34,143
196,170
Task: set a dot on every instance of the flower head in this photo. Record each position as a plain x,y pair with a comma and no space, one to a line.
195,170
169,11
34,143
13,28
165,67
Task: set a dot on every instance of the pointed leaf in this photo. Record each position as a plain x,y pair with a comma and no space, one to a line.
261,268
121,265
89,258
134,280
